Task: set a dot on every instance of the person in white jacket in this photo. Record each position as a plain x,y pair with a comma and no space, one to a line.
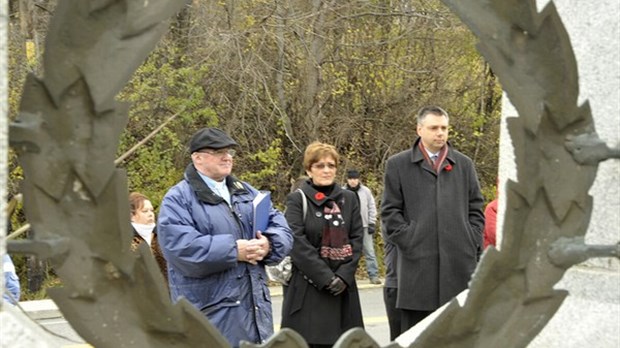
368,211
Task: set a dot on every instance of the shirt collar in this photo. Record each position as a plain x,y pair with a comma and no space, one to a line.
213,185
430,154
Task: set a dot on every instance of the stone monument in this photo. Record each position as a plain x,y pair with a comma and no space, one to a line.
590,316
520,278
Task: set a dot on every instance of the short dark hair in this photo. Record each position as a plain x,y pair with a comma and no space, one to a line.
431,109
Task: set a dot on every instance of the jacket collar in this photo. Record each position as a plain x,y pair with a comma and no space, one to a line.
417,156
318,198
204,193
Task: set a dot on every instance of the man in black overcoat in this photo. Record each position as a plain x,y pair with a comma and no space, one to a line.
432,212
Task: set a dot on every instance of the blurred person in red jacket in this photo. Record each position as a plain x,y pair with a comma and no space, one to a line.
490,226
490,217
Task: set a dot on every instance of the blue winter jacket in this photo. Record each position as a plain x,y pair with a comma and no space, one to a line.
11,281
197,231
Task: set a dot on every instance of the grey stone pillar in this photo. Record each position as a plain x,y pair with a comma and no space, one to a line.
4,92
590,316
16,330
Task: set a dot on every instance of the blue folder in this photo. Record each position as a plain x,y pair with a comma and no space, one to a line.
262,208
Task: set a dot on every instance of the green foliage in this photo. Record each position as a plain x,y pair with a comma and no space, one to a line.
51,281
267,163
152,169
164,85
268,160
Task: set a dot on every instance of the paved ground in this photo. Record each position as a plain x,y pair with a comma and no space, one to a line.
47,314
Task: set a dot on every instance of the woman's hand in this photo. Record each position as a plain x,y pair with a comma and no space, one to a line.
337,286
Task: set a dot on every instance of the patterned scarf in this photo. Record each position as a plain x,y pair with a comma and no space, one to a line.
335,244
442,156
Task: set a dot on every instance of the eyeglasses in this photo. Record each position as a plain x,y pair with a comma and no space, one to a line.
220,152
323,165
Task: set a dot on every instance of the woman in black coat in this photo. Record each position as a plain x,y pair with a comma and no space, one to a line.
321,301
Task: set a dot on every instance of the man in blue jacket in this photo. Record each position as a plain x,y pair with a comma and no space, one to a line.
215,260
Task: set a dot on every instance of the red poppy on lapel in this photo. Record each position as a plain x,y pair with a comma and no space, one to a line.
448,168
319,196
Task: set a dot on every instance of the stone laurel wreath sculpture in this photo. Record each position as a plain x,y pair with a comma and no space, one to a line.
76,200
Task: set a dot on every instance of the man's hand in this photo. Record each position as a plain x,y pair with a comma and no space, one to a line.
246,251
371,228
253,250
262,244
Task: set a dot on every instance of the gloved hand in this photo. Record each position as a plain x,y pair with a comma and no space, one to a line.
371,228
336,286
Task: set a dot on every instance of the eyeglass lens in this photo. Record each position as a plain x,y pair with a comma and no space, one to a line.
221,153
323,165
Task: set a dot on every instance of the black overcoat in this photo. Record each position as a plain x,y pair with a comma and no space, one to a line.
308,307
436,221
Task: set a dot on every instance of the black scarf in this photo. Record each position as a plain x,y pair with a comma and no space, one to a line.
355,189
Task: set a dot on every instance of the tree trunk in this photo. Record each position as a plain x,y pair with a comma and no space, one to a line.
312,81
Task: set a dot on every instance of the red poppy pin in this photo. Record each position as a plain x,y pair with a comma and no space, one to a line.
319,196
448,168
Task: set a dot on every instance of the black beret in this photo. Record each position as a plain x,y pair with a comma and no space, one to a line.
212,138
353,174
